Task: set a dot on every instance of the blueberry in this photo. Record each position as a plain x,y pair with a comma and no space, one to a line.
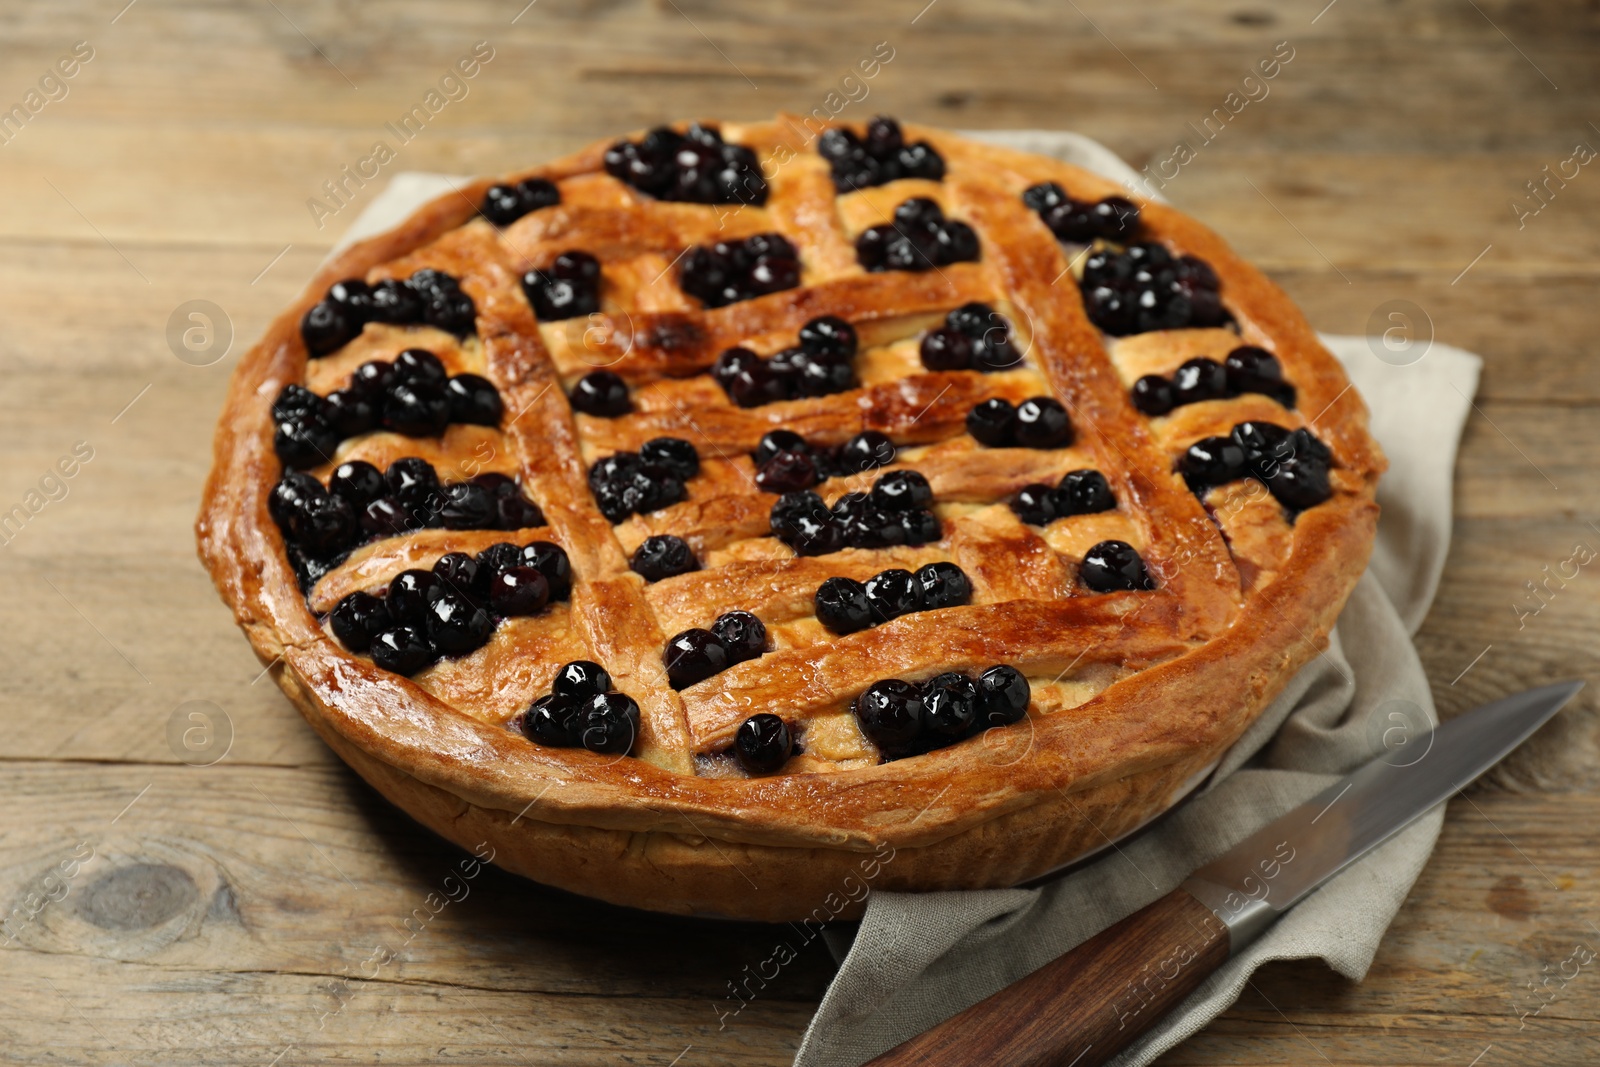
1083,493
1003,695
416,409
958,243
327,524
727,272
1116,217
580,680
505,204
918,212
818,378
787,472
892,593
790,507
755,385
402,649
396,303
412,482
829,337
993,423
1262,442
467,507
1300,482
889,712
473,400
663,556
501,556
1035,504
947,349
577,267
461,573
672,453
385,517
902,490
551,561
1042,423
289,498
763,743
457,626
920,160
305,441
516,513
610,724
294,401
920,527
1199,379
865,451
568,289
326,328
949,706
1212,461
410,593
350,413
817,535
742,634
1111,566
357,618
372,378
602,394
873,244
693,656
942,585
1153,395
731,362
842,606
873,527
555,721
883,137
419,365
1043,196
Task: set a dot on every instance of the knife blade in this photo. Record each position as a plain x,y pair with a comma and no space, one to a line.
1084,1007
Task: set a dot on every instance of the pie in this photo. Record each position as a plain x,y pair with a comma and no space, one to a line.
734,519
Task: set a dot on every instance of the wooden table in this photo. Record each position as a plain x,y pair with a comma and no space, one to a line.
229,913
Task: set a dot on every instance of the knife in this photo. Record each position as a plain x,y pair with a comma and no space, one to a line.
1084,1007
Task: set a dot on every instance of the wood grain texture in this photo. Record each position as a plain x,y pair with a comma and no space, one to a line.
214,923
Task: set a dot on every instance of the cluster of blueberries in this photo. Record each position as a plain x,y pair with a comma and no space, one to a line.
412,395
361,503
1083,492
566,289
763,743
696,167
730,271
1113,219
787,463
1114,567
845,605
1146,288
819,365
974,337
583,709
895,512
1247,369
628,483
663,556
453,609
1292,464
904,719
919,238
696,654
505,204
880,157
1039,422
429,297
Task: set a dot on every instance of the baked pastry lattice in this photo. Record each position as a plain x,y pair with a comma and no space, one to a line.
1155,529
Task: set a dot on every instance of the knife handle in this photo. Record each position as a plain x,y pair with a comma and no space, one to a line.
1084,1007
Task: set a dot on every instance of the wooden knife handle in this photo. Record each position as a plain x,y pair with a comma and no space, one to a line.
1082,1008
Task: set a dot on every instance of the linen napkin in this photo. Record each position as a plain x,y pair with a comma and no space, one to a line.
916,959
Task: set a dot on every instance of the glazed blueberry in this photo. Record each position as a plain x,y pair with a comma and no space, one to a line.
947,349
1035,504
1153,395
444,305
1084,493
610,724
357,618
942,585
473,400
993,423
385,517
1293,465
555,721
1300,482
601,393
419,365
787,472
920,238
755,385
358,482
505,204
467,507
695,166
865,451
327,327
1042,423
1111,566
1212,461
891,594
742,634
842,605
672,453
829,337
501,556
457,626
350,413
516,513
372,377
1199,379
731,362
775,441
304,441
327,524
920,527
294,401
763,743
462,574
396,303
882,156
1003,695
663,556
729,271
1145,288
580,680
819,378
416,409
902,491
567,289
551,561
817,535
290,496
949,706
1262,442
790,508
872,527
889,712
693,656
410,593
401,650
413,482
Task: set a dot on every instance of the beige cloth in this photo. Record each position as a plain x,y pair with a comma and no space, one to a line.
915,960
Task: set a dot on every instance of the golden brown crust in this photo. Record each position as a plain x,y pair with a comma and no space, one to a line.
1160,685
